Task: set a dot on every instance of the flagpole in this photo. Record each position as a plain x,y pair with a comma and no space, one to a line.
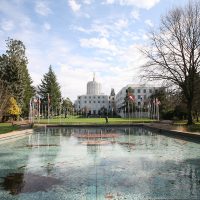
158,113
129,111
48,107
30,111
154,108
39,109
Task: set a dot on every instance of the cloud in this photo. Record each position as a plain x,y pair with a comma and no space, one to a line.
47,26
101,43
121,24
88,2
149,22
135,14
7,25
101,29
146,4
74,5
42,8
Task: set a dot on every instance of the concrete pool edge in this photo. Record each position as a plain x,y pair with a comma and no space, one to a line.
15,134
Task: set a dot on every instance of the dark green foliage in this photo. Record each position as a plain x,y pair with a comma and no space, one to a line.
67,106
50,86
15,62
29,92
14,73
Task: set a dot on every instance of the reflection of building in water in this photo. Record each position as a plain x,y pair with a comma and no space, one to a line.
94,102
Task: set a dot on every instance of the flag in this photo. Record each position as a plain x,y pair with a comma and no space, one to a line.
131,97
157,101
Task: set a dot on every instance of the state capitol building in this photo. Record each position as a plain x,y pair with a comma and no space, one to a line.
94,102
97,103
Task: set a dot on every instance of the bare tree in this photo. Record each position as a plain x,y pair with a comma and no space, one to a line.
174,51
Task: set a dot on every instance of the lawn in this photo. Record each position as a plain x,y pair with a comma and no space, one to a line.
7,127
78,120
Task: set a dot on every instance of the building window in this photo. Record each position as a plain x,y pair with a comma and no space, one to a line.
144,91
150,90
102,101
98,97
94,101
89,101
133,91
89,97
79,97
138,90
98,101
85,97
93,97
85,101
138,96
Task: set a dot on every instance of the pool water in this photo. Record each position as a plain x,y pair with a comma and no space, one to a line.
97,164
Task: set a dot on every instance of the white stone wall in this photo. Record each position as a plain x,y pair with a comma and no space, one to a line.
92,103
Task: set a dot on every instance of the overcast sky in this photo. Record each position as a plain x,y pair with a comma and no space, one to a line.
79,37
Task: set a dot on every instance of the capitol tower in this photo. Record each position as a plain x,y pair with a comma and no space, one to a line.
93,87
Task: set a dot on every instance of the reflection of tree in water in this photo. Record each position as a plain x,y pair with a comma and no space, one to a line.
17,183
169,175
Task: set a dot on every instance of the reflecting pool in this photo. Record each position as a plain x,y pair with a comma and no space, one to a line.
97,164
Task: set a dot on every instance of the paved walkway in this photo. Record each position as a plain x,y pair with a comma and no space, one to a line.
173,128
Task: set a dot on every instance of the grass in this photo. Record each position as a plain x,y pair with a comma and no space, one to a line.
7,127
92,121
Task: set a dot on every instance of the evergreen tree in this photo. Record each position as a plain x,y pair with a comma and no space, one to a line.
29,92
14,72
67,106
51,87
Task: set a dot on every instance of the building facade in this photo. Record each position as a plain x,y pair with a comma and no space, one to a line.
141,94
94,102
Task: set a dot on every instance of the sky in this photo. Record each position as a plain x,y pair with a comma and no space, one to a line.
80,37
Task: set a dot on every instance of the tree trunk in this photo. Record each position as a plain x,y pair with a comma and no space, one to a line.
189,113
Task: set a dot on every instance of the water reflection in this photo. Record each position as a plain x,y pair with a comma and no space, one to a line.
133,163
17,183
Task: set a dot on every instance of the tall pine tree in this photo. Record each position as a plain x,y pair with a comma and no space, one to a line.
50,86
14,73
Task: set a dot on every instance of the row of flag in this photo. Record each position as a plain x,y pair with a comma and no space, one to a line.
132,98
